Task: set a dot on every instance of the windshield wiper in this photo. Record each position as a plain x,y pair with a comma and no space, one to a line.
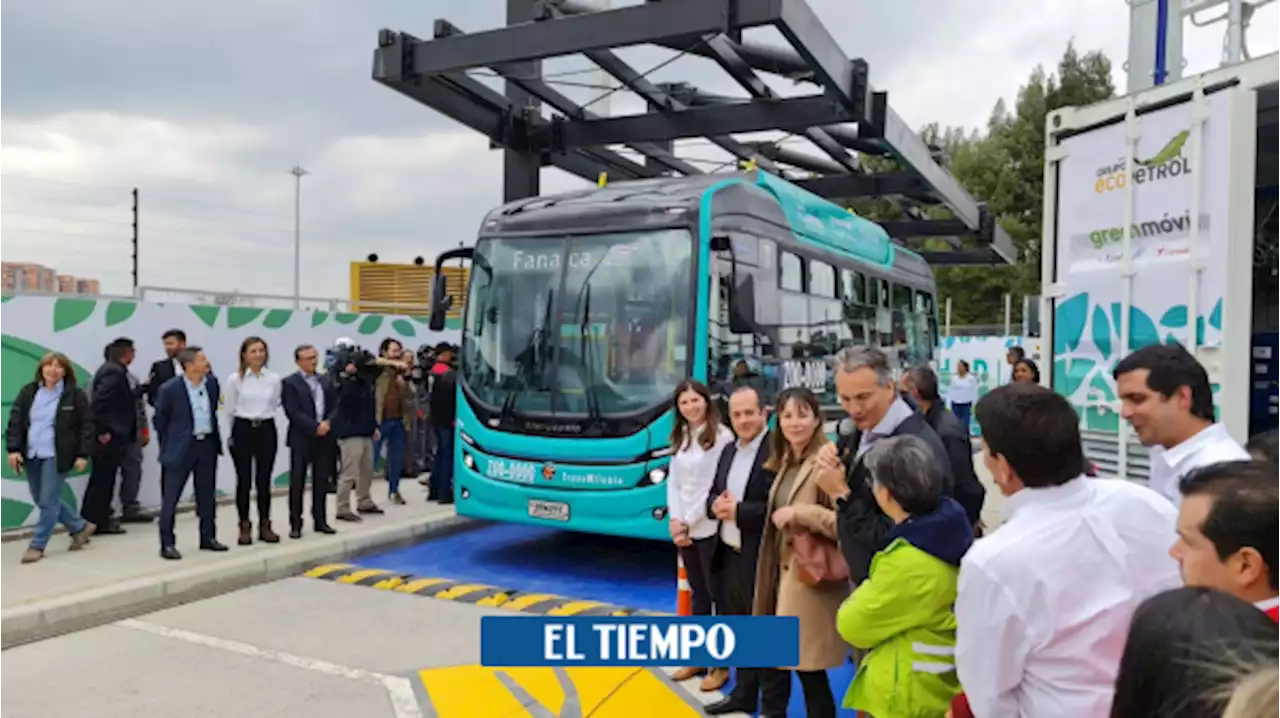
585,352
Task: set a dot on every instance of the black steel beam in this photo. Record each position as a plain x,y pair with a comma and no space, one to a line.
728,58
864,185
471,103
970,257
633,25
844,134
562,103
791,115
910,228
788,156
637,83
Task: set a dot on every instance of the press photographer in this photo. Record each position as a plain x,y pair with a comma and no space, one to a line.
393,409
355,371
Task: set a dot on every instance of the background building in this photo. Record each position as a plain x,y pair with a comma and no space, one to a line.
32,277
403,288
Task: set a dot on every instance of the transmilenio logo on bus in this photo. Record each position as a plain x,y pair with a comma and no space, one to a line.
1165,164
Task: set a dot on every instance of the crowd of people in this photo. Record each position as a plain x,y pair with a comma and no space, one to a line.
1094,596
336,424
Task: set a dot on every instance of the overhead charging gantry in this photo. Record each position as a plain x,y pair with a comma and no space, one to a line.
844,118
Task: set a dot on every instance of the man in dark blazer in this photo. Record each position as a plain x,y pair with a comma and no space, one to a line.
311,403
187,425
115,416
175,340
868,394
921,383
739,498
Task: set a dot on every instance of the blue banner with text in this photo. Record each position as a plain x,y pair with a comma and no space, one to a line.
746,641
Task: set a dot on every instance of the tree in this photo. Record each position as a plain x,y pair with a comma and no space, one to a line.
1005,167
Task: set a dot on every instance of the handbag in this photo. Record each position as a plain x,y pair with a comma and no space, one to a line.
817,559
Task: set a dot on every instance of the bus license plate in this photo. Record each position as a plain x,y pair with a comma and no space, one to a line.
554,510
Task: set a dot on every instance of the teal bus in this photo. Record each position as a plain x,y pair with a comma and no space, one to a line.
585,310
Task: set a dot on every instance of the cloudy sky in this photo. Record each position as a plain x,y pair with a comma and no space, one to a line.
205,106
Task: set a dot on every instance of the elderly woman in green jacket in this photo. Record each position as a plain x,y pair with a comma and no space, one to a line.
902,614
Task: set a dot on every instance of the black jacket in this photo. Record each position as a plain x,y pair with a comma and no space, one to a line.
969,490
300,407
161,371
356,412
862,527
444,399
114,402
753,505
73,433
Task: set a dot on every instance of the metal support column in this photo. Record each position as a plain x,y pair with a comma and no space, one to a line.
521,169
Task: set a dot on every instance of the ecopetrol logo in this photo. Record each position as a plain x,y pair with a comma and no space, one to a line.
1166,164
1165,227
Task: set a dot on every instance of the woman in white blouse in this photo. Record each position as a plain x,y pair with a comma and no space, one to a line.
252,397
963,392
697,438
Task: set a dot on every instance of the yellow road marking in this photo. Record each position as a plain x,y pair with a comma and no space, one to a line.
479,692
418,584
523,601
389,584
363,573
573,607
325,570
459,591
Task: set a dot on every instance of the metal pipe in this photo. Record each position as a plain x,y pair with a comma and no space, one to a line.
846,135
297,173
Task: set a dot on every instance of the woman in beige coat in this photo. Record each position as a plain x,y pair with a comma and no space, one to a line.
795,505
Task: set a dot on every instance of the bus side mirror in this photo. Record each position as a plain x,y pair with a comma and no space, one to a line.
440,303
742,306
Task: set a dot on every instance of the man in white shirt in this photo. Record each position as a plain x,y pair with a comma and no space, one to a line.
1166,398
1229,531
739,498
1044,603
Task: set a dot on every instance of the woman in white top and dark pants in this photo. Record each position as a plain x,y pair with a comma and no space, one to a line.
697,439
962,393
252,398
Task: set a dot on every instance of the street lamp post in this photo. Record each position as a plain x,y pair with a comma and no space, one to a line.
297,173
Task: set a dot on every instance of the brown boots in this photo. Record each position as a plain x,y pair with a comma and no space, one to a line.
264,533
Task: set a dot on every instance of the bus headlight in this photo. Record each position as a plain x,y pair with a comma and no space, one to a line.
657,476
469,462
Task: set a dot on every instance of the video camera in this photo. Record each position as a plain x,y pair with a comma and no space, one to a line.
344,353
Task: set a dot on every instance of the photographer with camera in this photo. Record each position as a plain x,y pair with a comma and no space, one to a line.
393,409
356,426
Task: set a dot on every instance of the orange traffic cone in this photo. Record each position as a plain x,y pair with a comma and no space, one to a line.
684,593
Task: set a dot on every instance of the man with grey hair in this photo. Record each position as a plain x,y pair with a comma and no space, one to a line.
912,587
865,386
921,384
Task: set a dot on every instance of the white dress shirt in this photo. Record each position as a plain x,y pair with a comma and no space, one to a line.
1045,601
253,395
692,471
963,389
1168,466
744,460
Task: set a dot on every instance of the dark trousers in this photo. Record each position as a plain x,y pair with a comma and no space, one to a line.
775,687
441,482
963,412
201,460
318,454
102,482
733,578
253,451
697,565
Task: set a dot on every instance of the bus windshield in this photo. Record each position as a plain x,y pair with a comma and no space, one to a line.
581,326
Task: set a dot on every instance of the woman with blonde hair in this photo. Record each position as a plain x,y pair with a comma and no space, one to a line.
802,523
50,433
252,398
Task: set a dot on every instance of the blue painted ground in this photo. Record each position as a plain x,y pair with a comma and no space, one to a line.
624,572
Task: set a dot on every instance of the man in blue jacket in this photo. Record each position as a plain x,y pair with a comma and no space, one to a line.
186,422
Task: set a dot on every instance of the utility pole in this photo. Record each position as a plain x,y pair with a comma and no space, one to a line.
297,173
134,241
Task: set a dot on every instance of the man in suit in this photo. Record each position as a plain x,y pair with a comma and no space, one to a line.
739,498
311,403
921,384
187,425
115,415
175,340
867,393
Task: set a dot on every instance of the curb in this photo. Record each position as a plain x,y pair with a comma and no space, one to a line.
94,607
479,594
